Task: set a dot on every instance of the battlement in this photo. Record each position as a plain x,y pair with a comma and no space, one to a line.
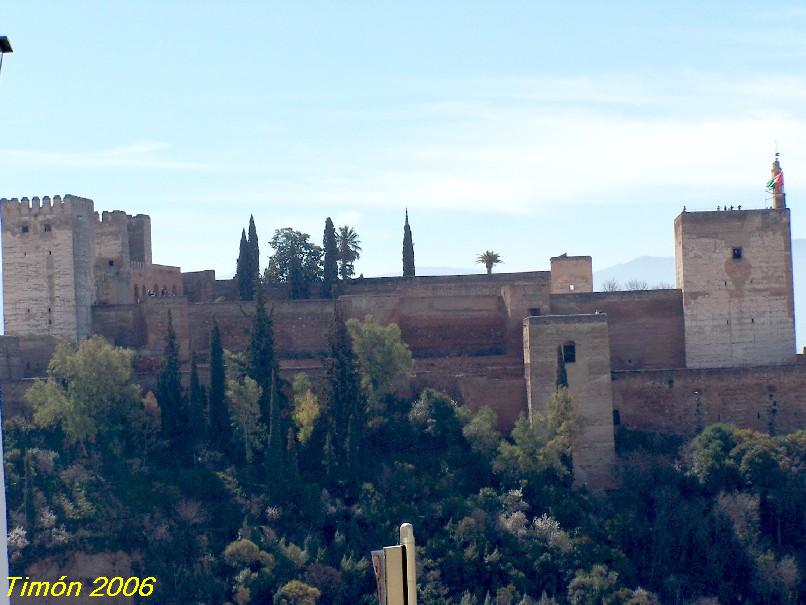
31,207
116,217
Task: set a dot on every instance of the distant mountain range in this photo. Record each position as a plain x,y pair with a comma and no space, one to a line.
657,270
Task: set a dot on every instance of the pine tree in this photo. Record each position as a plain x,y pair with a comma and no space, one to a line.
408,249
171,398
254,249
275,448
562,374
196,405
262,362
220,432
244,270
331,261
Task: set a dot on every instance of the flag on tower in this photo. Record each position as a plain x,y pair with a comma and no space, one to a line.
776,183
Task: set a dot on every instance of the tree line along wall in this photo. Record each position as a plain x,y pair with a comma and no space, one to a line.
769,399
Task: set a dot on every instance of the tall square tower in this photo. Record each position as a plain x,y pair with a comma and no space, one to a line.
48,266
735,270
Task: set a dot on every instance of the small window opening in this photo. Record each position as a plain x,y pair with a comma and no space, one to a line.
737,254
534,311
46,227
570,352
50,322
50,252
616,418
111,263
571,287
24,229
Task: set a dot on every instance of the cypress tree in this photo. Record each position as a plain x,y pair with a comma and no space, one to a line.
275,447
562,374
254,251
292,461
331,261
408,249
170,398
262,361
196,405
345,396
220,433
244,270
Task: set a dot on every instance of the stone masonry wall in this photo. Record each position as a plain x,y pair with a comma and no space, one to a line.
738,311
769,399
645,326
593,445
48,265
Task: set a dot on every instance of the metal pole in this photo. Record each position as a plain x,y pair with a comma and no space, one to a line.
407,540
4,598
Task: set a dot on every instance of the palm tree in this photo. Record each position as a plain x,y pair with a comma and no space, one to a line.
489,259
349,247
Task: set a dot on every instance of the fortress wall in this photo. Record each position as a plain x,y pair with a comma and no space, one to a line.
443,285
10,358
435,325
199,286
645,326
683,401
157,278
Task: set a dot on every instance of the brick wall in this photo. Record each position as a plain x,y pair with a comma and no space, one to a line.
645,326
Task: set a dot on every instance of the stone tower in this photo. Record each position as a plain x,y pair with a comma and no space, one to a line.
776,185
48,266
735,270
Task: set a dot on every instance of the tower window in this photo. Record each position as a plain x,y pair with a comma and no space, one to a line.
534,311
737,254
570,352
24,229
571,287
111,263
46,227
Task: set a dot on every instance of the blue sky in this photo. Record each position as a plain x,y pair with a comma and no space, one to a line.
528,128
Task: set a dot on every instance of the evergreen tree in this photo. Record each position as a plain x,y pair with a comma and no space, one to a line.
562,374
196,405
275,448
220,432
244,270
262,363
171,399
345,399
297,285
408,249
292,461
254,249
331,261
329,457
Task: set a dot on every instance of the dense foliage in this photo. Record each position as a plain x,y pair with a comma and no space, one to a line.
286,493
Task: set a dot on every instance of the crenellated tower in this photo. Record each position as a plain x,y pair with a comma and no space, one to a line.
48,266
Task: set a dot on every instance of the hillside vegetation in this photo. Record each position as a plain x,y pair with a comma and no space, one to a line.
254,490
